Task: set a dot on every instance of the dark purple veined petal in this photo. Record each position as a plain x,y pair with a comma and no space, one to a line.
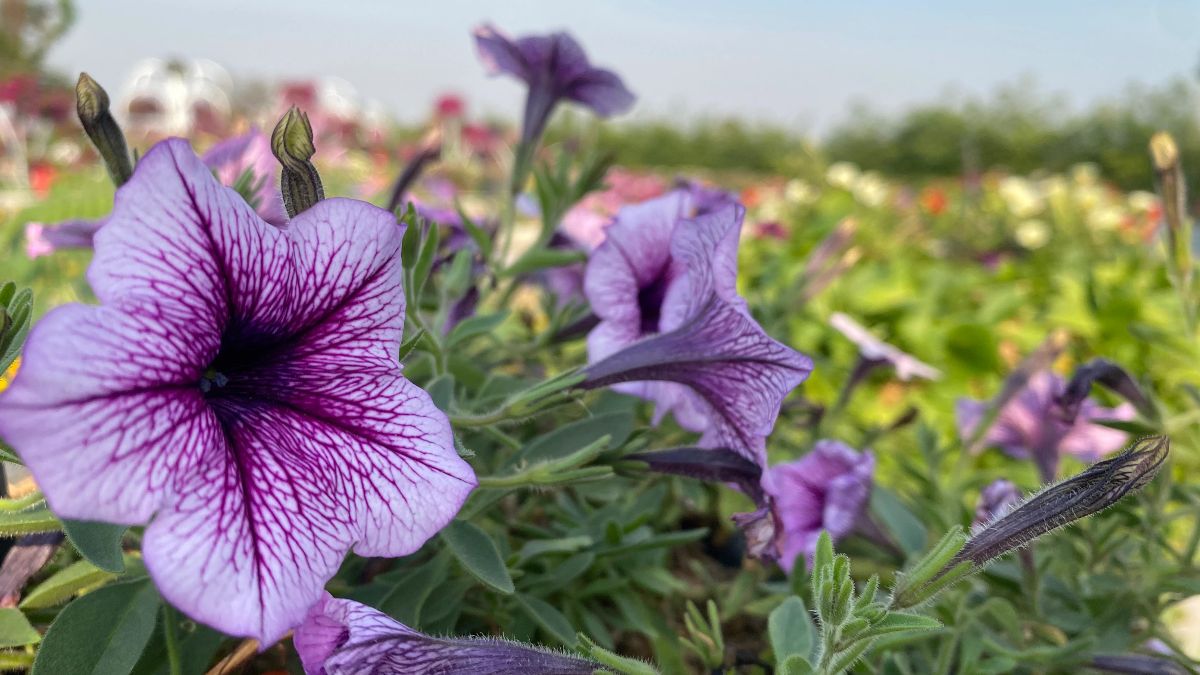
725,358
342,637
238,391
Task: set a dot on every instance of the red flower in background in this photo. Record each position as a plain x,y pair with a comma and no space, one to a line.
41,179
934,200
450,105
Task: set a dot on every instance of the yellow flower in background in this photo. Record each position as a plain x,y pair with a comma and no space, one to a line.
9,374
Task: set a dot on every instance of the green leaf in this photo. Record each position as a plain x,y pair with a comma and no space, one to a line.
543,258
98,542
38,519
796,665
64,584
407,597
475,325
790,629
549,618
898,520
441,391
478,554
897,622
15,630
198,645
975,345
565,440
101,633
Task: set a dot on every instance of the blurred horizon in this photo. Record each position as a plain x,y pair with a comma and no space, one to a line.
804,69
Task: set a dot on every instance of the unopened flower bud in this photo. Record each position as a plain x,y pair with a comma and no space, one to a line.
1164,154
1095,489
292,144
91,103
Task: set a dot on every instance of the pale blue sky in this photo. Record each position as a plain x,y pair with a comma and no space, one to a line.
791,62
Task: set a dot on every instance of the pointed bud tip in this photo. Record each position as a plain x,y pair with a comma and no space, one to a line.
292,138
91,100
1164,151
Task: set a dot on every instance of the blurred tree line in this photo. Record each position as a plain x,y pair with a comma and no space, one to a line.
1016,129
27,30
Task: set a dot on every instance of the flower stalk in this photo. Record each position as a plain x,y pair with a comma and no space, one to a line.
91,104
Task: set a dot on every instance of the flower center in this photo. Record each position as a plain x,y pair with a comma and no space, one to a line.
650,300
212,378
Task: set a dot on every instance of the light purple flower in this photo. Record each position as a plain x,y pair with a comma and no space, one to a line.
342,637
229,159
1030,425
827,489
554,67
998,498
673,329
239,391
874,349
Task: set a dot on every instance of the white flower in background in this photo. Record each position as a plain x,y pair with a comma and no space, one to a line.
771,208
1183,623
1088,197
870,189
64,151
1105,217
842,175
1140,200
1032,234
799,192
164,97
1085,174
1021,197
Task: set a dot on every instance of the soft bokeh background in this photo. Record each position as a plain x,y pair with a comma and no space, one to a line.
964,179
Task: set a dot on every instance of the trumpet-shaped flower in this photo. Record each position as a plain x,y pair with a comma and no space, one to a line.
246,155
342,637
673,329
555,68
237,390
826,490
1032,424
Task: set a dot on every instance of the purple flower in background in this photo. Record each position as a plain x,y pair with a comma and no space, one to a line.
554,67
42,239
238,390
229,159
827,489
342,637
1031,425
251,152
873,349
673,329
997,499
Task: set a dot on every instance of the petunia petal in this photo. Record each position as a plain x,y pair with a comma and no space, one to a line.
725,357
248,544
602,91
342,637
105,411
500,55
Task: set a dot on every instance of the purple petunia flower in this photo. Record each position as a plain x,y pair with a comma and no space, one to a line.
998,498
827,489
673,329
554,67
342,637
873,349
1031,425
229,159
238,390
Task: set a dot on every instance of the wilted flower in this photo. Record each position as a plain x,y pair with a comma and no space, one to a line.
554,67
674,330
246,159
874,349
998,498
1031,424
342,637
826,490
238,390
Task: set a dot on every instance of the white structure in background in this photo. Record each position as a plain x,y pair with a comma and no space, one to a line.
167,97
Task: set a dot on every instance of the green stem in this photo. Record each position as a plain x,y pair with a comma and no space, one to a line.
170,619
